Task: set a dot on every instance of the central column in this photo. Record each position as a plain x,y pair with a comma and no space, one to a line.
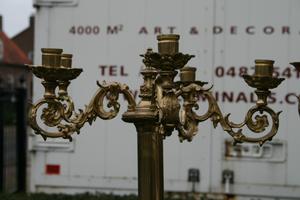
146,119
150,162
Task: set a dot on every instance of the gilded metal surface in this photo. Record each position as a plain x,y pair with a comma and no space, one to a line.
168,44
264,68
159,111
66,60
51,57
166,61
58,108
159,94
263,80
59,112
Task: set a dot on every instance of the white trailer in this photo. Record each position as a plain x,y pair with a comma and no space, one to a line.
107,37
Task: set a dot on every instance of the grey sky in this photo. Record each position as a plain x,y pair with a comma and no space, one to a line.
15,15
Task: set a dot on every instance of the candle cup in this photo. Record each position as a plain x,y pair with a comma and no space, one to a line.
168,44
51,57
66,60
264,68
188,74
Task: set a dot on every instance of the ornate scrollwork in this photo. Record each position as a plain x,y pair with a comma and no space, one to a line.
255,121
165,61
159,97
59,112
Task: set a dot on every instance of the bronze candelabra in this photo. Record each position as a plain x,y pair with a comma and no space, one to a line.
159,111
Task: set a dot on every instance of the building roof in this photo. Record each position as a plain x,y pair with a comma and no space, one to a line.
12,54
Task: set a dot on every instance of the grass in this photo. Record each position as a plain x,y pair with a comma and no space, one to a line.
41,196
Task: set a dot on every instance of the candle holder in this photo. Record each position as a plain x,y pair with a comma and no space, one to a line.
158,113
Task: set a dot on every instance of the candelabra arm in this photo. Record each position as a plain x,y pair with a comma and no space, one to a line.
254,120
59,111
111,92
188,126
52,116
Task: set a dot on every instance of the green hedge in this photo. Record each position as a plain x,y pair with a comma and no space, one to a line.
66,197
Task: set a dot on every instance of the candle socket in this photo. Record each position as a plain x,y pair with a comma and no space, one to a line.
263,68
188,74
51,57
66,60
168,44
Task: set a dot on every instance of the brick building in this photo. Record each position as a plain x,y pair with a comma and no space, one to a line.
15,90
25,39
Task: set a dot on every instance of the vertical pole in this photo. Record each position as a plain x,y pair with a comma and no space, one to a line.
150,162
145,117
21,139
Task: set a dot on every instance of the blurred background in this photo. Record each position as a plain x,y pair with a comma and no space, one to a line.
106,38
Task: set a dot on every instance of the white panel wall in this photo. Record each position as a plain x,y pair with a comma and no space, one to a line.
107,37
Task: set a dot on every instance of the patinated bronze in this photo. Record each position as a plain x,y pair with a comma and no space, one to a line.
158,113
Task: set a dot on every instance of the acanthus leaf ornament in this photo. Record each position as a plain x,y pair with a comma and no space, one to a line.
165,105
159,94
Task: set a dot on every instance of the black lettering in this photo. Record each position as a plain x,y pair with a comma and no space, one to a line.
249,30
122,72
252,98
272,98
171,29
112,30
289,98
241,97
233,30
217,30
194,31
157,30
113,70
143,30
227,97
268,30
286,29
102,69
201,98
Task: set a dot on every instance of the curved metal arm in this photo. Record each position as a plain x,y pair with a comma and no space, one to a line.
253,121
59,112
